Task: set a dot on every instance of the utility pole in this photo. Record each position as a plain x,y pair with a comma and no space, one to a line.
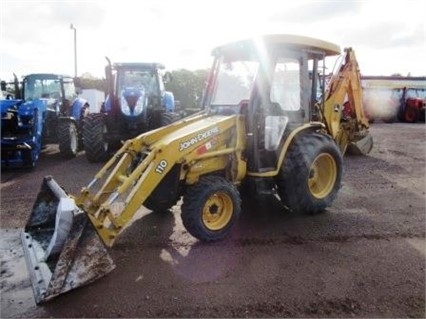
72,27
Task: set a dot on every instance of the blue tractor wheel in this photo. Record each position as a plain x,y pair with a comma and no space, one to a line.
95,145
68,138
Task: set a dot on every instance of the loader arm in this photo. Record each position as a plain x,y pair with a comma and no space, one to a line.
349,125
200,144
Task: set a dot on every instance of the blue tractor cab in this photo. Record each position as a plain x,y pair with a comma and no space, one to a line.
136,103
49,111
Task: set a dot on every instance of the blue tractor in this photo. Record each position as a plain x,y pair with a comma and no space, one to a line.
136,102
48,111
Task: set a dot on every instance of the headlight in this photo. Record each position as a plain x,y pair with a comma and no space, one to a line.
138,107
125,109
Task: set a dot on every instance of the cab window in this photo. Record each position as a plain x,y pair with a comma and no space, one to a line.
285,86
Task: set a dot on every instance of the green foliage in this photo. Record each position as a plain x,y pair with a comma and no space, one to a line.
91,83
187,87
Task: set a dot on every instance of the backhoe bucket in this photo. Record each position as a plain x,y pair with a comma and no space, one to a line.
362,146
61,247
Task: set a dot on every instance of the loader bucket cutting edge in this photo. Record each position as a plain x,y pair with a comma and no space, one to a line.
60,258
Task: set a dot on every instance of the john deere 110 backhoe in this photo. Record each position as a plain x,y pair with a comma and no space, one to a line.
269,125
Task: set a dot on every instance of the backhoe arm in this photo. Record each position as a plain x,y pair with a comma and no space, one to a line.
343,111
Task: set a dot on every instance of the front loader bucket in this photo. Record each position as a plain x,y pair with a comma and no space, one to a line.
61,247
361,147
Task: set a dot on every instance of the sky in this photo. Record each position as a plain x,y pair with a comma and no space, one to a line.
35,36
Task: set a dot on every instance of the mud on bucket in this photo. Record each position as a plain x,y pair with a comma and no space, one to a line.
61,247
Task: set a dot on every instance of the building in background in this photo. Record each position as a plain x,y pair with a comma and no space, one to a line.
95,98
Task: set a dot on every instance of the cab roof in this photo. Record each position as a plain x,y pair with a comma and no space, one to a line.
139,66
51,76
289,41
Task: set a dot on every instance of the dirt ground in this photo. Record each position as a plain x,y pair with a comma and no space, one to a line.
364,257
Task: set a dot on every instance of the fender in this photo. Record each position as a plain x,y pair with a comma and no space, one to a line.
283,153
67,119
77,105
168,101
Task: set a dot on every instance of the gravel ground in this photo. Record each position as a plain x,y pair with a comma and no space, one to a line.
364,257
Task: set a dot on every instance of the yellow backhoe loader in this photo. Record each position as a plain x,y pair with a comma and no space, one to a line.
270,125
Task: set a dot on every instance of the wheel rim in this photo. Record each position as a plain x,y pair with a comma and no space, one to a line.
322,176
73,140
217,211
104,132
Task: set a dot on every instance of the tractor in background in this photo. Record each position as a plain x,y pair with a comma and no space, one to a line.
412,107
136,102
48,111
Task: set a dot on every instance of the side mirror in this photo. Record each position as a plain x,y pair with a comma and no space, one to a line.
167,77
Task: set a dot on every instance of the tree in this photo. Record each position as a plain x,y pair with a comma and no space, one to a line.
88,81
187,87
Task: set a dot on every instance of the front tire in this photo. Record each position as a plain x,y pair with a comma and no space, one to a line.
210,208
29,159
159,206
68,139
95,146
84,113
310,176
168,118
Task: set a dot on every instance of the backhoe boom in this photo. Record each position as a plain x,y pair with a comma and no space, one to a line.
343,111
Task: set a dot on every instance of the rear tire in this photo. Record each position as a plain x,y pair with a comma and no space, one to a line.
310,176
210,208
68,139
411,114
95,146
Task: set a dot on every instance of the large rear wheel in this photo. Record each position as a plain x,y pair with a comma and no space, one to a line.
95,145
68,138
210,208
411,114
310,176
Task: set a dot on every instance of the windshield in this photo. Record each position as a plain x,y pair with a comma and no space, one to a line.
36,88
143,80
234,82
